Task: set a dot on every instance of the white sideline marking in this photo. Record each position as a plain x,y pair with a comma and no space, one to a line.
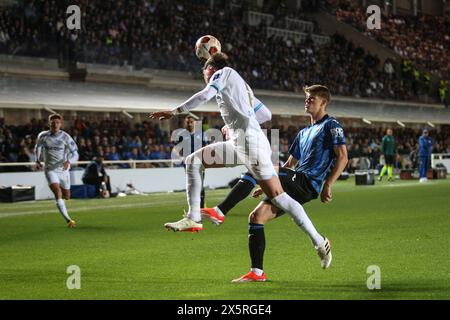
102,207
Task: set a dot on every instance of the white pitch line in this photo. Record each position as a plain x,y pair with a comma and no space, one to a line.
103,207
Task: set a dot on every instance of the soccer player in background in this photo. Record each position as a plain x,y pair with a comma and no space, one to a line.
59,151
388,149
425,149
247,143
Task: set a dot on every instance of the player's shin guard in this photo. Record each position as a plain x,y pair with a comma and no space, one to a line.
194,170
256,244
62,209
296,211
239,192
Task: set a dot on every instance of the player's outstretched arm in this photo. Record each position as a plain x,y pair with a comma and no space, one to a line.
339,166
196,100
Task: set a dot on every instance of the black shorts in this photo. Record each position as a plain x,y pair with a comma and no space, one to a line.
389,159
296,185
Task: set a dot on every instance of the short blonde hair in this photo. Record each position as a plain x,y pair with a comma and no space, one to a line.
319,90
55,116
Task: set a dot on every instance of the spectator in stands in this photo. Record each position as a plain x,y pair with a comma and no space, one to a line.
85,149
135,154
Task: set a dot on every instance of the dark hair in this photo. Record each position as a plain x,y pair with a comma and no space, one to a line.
54,116
319,91
217,61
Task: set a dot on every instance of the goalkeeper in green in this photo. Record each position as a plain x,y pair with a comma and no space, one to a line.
388,149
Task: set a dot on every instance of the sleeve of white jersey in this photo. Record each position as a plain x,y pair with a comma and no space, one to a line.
72,150
262,113
212,88
197,99
38,147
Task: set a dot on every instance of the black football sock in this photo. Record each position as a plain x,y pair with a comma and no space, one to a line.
240,191
202,198
256,244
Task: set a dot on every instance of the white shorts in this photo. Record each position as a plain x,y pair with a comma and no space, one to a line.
62,177
254,154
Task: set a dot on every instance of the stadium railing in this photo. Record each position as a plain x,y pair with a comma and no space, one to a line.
297,36
256,18
301,25
132,164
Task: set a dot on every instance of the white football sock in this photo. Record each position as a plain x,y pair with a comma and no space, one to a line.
218,211
258,272
194,169
296,211
62,209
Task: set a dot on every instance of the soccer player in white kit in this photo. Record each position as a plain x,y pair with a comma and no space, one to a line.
59,152
247,143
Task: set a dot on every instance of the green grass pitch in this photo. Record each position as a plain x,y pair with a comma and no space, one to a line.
124,252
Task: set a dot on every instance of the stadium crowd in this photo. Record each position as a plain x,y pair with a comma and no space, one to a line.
112,139
121,140
158,34
422,40
414,38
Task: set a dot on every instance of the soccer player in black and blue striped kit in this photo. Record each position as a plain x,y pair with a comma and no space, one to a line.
318,156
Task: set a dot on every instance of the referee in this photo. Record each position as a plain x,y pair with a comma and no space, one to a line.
388,149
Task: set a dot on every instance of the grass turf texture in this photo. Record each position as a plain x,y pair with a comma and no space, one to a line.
125,253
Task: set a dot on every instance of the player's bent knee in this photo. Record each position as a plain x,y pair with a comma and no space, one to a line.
253,218
257,216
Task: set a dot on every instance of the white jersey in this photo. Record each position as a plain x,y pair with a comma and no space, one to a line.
57,148
235,99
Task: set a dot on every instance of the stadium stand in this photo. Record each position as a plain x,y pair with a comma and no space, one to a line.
414,38
424,51
161,39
